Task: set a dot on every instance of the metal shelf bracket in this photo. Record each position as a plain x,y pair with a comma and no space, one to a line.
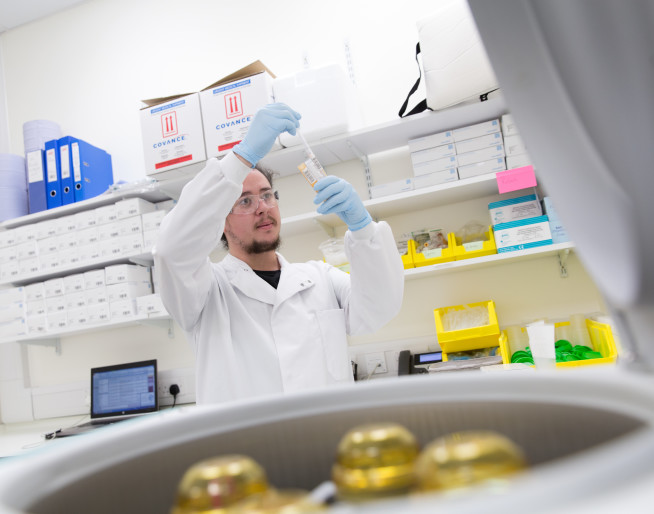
366,165
563,261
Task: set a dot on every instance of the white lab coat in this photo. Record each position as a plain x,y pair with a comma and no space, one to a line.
249,338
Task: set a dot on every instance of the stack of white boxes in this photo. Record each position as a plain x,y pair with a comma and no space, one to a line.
12,312
516,152
457,154
126,228
118,292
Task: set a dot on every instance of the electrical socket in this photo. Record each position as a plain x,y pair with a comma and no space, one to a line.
377,362
184,378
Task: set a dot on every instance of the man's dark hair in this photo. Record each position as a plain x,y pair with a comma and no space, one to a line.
266,172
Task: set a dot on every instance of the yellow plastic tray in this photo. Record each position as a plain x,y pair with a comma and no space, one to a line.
407,259
469,338
419,259
472,250
600,335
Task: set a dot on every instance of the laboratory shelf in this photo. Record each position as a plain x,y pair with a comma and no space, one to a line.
52,338
560,250
143,259
385,136
401,203
150,192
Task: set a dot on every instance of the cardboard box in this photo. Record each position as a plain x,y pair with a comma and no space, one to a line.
508,125
133,207
514,145
477,143
484,154
518,161
172,133
438,177
476,130
392,188
431,141
512,209
126,273
481,168
435,165
432,154
99,313
336,112
522,234
229,106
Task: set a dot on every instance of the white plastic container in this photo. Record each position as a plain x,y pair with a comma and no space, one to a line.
324,97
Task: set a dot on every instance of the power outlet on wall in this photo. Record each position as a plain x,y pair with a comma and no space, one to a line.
376,363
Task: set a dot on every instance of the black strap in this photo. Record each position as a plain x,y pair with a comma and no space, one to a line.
422,105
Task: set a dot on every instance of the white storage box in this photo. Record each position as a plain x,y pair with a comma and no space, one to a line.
436,165
33,292
56,321
28,267
431,141
74,283
150,305
522,234
484,154
78,317
478,143
133,207
54,287
13,295
128,290
152,220
514,145
326,99
229,106
172,133
477,130
35,309
75,300
12,311
481,168
513,209
98,313
9,271
106,214
392,188
126,273
36,325
438,177
94,278
432,154
123,309
508,125
518,161
96,295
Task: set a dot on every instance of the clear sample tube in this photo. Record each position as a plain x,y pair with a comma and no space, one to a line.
311,168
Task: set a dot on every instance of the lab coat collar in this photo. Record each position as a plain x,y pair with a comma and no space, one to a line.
241,276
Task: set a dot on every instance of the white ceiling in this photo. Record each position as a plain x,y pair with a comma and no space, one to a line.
14,13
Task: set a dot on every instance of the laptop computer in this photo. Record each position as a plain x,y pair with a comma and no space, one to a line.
119,392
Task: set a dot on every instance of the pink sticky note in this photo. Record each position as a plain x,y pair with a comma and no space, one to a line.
515,179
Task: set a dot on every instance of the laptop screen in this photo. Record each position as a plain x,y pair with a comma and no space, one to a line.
122,389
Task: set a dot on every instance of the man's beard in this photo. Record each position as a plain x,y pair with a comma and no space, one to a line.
257,247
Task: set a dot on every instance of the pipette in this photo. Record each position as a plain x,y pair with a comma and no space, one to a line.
311,168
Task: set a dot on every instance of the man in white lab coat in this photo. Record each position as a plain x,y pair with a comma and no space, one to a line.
259,324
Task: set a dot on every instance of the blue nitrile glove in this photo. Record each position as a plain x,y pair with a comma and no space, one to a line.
268,123
338,196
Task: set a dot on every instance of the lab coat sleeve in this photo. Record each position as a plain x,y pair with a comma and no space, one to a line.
376,278
190,232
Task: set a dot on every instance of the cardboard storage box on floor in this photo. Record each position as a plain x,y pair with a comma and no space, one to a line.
229,106
172,133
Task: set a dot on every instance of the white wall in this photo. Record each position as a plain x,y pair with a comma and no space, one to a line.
89,67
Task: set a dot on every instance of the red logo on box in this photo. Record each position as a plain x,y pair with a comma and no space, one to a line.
169,124
233,105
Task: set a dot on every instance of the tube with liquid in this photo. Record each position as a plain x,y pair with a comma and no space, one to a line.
311,168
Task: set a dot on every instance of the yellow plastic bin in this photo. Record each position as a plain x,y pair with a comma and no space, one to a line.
476,249
432,256
601,336
469,338
407,258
